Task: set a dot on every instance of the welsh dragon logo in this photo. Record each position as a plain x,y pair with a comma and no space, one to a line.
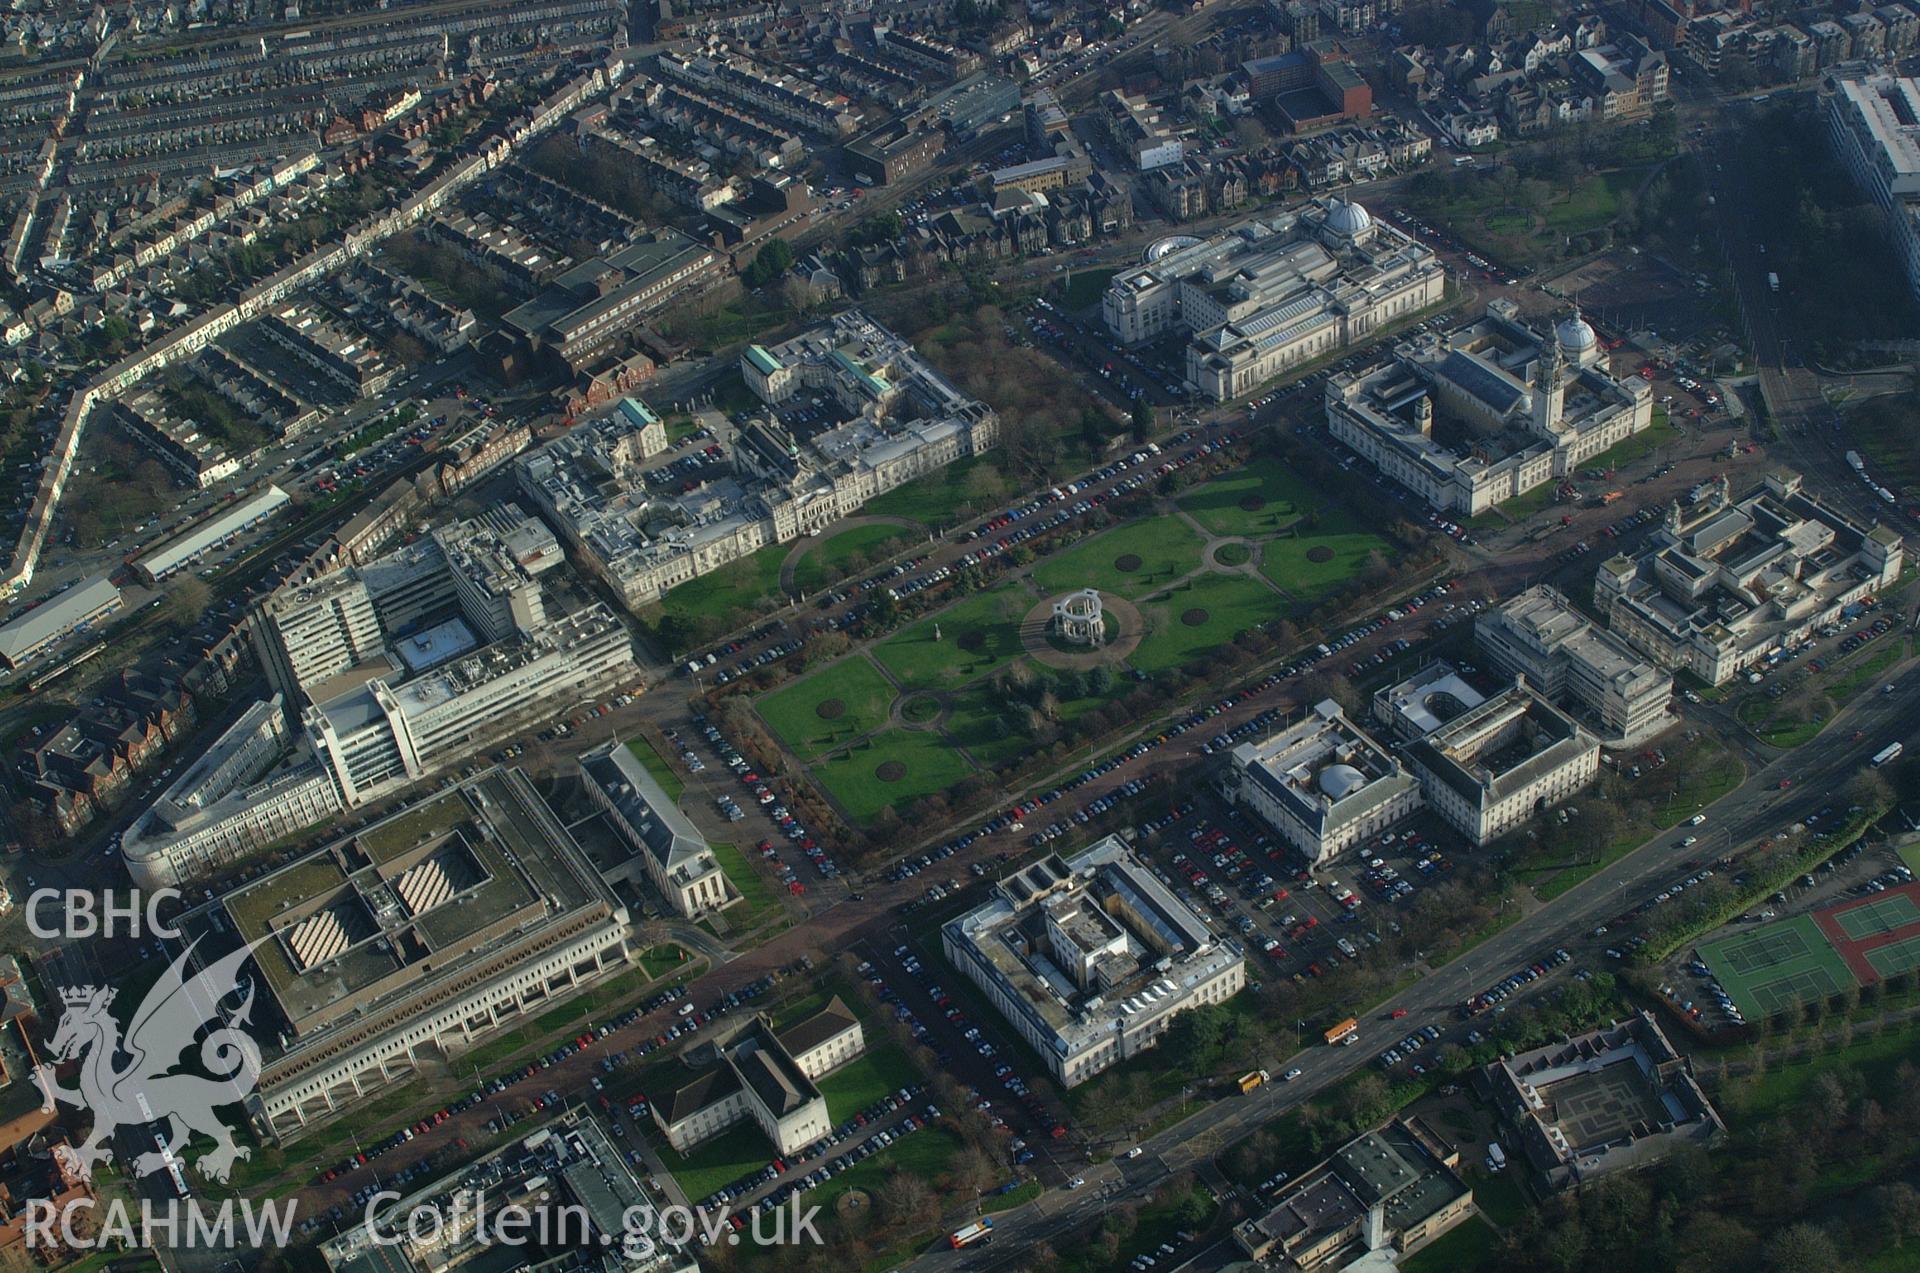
146,1090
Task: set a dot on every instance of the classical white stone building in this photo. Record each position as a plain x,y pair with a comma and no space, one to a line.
1725,582
1539,635
1322,783
1501,762
1473,417
674,857
1080,618
886,417
1275,292
1090,958
765,1076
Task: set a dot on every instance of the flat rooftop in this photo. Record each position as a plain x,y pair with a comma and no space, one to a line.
425,890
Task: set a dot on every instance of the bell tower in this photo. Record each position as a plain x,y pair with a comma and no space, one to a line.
1549,391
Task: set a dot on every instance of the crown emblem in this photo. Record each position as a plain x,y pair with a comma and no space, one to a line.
81,996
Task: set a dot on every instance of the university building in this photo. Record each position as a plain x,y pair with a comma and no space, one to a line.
1322,783
1566,657
1273,293
767,1077
1090,958
409,941
1503,761
672,854
880,416
1477,416
1725,582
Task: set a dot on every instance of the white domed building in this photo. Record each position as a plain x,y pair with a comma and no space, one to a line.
1273,293
1323,784
1578,343
1538,399
1348,223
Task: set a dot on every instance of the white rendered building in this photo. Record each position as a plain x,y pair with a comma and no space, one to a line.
1474,417
1724,583
1274,293
1562,654
1501,762
1322,783
1091,958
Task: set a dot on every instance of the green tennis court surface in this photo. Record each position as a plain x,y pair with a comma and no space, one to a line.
1883,914
1900,956
1777,965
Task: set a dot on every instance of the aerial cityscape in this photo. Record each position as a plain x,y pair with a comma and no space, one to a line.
1063,636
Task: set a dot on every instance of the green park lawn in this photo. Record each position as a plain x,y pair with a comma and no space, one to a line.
968,486
1260,498
828,561
755,897
1222,605
976,635
1288,561
804,716
852,777
719,1162
876,1073
1592,204
927,1155
970,724
1166,547
1085,287
1459,1250
744,586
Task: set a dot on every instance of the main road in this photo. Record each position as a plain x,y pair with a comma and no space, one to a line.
1756,809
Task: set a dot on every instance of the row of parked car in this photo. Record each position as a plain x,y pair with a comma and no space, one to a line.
790,826
1500,990
859,1127
1728,1008
499,1084
974,1037
772,653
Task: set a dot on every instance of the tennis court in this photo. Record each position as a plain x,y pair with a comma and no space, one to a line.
1895,957
1777,966
1889,912
1876,935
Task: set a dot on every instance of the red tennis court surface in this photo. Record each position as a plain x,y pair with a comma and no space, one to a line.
1877,935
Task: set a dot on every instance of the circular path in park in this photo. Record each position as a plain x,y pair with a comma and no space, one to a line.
1034,630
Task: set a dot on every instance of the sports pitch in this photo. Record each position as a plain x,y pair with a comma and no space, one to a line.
1777,966
1856,942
